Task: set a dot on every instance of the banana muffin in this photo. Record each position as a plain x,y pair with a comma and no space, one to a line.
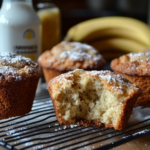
136,68
67,56
93,98
18,82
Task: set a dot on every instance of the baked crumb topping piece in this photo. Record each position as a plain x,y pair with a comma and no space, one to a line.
71,55
15,68
93,97
133,64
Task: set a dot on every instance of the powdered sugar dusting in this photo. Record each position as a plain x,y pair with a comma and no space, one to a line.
109,76
16,67
76,55
116,82
84,46
11,59
67,56
80,52
139,56
138,62
64,78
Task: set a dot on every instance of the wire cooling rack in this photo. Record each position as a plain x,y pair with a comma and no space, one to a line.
40,130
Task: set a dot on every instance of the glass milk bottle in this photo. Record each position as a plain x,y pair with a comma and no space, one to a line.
20,29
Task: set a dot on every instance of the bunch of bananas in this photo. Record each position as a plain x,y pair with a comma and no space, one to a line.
112,36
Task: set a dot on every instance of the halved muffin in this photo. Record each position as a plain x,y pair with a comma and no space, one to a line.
93,97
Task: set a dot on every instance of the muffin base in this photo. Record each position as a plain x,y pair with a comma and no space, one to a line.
49,74
121,123
16,98
144,83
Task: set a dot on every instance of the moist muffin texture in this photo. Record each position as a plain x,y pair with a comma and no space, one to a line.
67,56
18,81
93,98
136,68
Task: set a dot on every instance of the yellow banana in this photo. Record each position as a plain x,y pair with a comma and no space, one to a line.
120,44
127,27
117,33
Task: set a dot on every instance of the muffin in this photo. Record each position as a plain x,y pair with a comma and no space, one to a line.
136,68
18,82
68,56
93,98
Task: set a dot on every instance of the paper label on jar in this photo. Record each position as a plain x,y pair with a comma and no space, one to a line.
23,41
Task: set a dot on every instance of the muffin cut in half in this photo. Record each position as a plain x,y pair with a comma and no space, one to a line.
136,68
67,56
93,98
18,82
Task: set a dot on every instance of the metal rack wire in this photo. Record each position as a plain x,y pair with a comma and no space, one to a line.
40,130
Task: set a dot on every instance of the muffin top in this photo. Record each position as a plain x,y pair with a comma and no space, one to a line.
147,50
16,68
68,56
133,64
114,83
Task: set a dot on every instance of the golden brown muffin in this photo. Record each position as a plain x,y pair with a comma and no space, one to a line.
93,98
136,68
68,56
18,81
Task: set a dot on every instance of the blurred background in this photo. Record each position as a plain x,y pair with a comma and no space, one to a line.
75,11
67,13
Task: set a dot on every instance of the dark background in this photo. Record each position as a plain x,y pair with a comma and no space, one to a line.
75,11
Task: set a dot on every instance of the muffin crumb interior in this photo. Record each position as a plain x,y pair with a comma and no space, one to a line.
100,98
